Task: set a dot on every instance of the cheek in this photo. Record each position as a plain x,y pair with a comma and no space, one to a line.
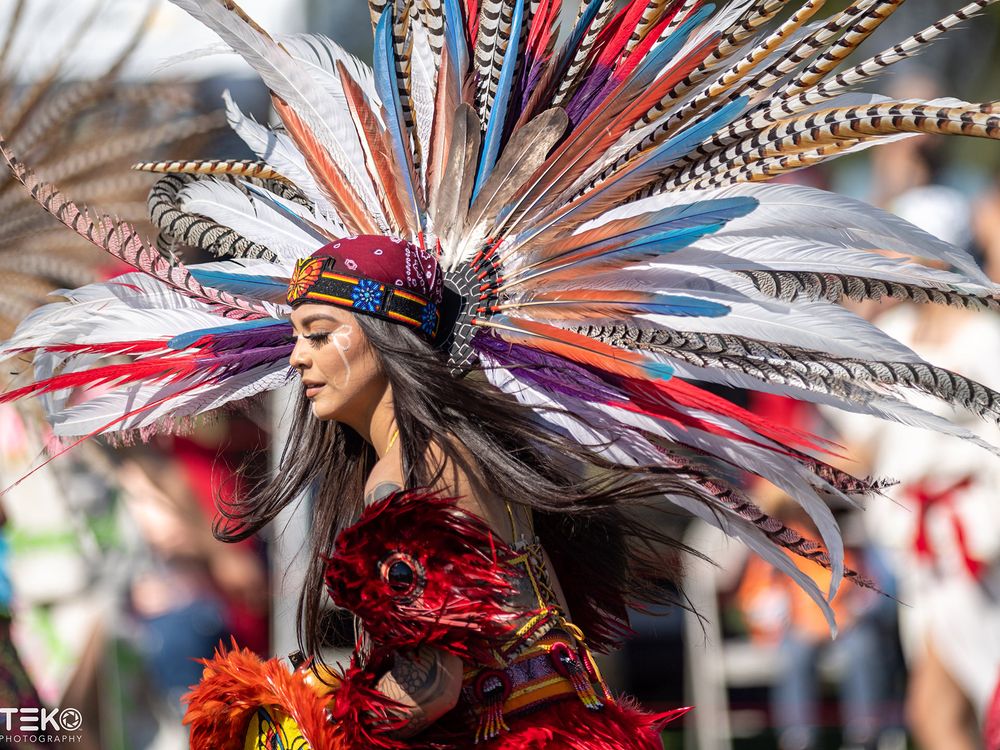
337,361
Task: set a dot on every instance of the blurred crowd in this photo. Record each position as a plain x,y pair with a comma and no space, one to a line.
112,584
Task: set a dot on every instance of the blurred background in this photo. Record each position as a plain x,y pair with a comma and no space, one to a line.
111,583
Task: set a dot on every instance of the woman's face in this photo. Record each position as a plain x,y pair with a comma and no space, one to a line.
340,374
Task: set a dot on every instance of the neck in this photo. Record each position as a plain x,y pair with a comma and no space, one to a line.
379,424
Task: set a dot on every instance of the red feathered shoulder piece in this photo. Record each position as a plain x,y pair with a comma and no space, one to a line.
419,570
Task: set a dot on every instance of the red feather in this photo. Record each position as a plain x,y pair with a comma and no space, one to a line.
579,348
458,575
617,32
608,121
107,348
635,56
570,725
472,21
691,396
168,368
540,34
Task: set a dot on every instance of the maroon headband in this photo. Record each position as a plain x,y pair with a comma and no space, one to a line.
385,277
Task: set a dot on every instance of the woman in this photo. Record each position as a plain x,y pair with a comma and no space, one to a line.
539,250
381,413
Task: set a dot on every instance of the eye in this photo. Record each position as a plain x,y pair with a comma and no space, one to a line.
317,339
403,575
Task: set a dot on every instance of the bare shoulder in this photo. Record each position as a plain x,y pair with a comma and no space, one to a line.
458,478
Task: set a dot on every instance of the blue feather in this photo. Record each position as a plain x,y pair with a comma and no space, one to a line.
184,340
682,143
581,27
659,243
683,306
717,211
384,68
261,287
658,58
498,112
454,31
569,49
678,305
659,370
670,150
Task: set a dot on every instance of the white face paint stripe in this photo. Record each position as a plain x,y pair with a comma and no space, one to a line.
342,340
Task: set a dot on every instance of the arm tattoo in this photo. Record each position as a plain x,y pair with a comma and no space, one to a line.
415,679
416,673
381,491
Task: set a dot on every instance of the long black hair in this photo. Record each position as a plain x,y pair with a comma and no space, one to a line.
588,513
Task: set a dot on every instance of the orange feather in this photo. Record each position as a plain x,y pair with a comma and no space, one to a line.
378,156
579,348
606,124
329,176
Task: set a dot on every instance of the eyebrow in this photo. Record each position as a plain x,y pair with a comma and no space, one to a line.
310,319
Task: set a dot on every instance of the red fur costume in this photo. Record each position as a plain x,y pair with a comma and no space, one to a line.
418,571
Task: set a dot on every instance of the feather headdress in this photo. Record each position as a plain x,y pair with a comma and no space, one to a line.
599,210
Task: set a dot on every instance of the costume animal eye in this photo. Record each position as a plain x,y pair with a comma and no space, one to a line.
400,576
403,575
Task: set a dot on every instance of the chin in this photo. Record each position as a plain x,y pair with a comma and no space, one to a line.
324,412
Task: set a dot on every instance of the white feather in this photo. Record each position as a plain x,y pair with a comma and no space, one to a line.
189,55
782,471
423,87
330,123
718,23
230,206
880,405
738,528
611,444
278,150
812,325
716,258
320,55
806,213
94,414
129,307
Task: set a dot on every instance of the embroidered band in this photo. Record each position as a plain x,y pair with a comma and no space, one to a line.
378,276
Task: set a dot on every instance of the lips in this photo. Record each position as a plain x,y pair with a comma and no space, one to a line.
311,388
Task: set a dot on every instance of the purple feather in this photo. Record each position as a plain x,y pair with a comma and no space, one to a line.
238,362
530,80
254,338
547,371
590,92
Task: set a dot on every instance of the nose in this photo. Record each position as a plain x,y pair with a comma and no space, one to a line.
299,358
